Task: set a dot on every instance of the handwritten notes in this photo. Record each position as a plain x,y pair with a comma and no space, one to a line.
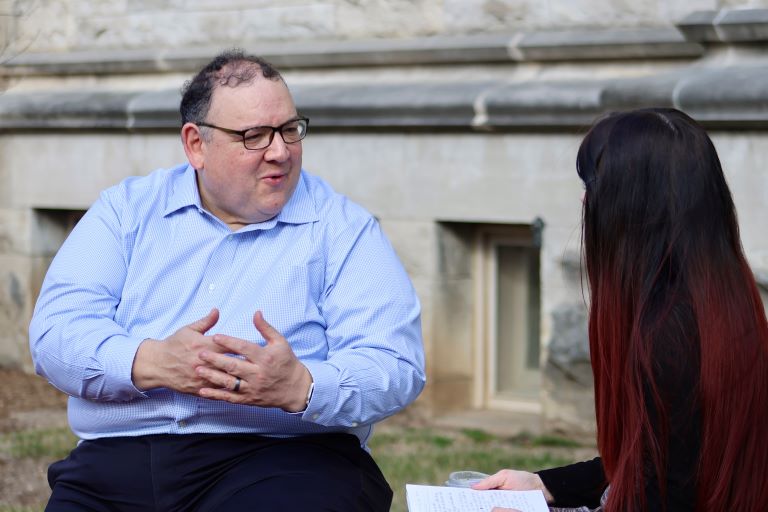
428,498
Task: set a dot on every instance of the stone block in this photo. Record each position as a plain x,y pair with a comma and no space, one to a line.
452,328
699,26
389,104
570,264
380,52
16,305
415,243
568,407
177,28
568,347
15,231
41,26
454,243
451,393
726,25
605,44
86,110
38,267
567,390
566,103
49,229
154,109
425,292
734,95
738,25
658,90
114,8
387,18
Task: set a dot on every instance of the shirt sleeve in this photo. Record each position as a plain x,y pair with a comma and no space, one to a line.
74,340
375,363
576,485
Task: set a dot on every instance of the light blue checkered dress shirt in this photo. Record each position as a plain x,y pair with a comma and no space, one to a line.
147,259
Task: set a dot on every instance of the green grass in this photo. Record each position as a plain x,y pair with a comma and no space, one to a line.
48,443
426,456
555,441
44,446
478,436
405,455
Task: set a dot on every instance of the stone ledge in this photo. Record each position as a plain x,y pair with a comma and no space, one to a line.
642,43
726,26
734,97
486,48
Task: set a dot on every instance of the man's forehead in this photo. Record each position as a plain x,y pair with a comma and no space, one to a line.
260,101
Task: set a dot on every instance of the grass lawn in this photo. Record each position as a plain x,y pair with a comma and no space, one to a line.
427,456
405,454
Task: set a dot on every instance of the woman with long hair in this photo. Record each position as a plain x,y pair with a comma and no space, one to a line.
677,331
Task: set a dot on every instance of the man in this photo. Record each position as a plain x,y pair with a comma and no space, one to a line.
228,330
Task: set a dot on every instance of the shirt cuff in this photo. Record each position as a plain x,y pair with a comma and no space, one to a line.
321,408
117,355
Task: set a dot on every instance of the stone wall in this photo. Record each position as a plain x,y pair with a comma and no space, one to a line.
438,116
71,25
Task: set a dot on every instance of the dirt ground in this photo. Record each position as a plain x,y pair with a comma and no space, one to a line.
26,402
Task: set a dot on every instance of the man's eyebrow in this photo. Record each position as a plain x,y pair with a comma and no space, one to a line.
294,118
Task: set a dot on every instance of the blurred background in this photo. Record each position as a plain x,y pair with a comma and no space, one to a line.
455,122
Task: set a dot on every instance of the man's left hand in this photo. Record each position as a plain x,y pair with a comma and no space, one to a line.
269,376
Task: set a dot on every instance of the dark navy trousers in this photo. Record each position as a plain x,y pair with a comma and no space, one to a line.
218,473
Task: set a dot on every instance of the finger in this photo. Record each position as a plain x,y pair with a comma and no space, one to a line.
225,363
492,482
222,394
233,345
206,322
269,333
220,379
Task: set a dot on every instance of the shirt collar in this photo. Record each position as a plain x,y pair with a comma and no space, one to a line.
183,191
300,208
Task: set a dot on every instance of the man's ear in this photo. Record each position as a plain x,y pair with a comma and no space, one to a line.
193,145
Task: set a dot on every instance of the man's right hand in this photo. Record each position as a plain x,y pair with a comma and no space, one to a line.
171,363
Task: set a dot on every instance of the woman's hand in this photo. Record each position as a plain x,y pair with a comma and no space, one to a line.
513,480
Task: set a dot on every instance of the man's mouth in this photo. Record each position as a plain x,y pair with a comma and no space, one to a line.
275,179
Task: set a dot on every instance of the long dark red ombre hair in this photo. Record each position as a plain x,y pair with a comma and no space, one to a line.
659,228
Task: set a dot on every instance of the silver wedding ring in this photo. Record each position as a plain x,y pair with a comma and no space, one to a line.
237,385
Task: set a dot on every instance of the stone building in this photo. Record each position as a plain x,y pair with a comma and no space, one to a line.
455,122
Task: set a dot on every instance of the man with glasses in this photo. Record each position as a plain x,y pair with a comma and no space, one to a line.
228,330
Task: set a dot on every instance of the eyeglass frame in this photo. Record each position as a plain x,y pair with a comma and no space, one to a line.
274,129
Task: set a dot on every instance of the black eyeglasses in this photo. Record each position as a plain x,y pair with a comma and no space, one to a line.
260,137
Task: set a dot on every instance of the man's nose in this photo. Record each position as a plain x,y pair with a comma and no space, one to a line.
277,149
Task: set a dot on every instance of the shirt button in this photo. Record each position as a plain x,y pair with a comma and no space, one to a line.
182,424
315,416
354,423
211,287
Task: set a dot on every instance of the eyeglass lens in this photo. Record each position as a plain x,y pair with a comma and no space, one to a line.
261,137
